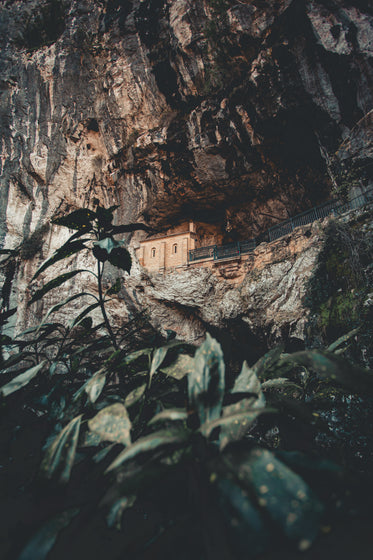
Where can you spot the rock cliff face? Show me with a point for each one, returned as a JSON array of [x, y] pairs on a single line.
[[220, 111]]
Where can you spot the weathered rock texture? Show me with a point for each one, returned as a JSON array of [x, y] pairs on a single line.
[[217, 110]]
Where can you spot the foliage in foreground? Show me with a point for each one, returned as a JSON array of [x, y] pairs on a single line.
[[170, 451], [156, 452]]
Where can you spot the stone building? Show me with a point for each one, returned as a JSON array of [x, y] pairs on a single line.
[[168, 251]]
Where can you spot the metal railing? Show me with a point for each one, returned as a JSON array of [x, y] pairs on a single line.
[[232, 250], [201, 253]]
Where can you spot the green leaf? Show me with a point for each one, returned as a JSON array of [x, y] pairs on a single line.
[[68, 249], [60, 455], [180, 368], [284, 495], [21, 380], [42, 542], [158, 357], [80, 219], [135, 355], [135, 395], [93, 387], [334, 368], [243, 520], [112, 424], [114, 518], [233, 421], [206, 382], [100, 455], [342, 339], [155, 441], [169, 414], [120, 258], [54, 284]]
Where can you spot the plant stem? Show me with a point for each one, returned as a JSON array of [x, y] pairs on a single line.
[[100, 272]]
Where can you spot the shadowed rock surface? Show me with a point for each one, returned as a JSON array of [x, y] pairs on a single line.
[[227, 112]]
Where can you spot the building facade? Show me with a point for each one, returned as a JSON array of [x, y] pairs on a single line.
[[168, 251]]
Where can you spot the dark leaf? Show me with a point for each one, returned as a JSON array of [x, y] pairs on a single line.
[[114, 518], [80, 219], [120, 258], [285, 496], [126, 228], [42, 542], [243, 520], [161, 439], [21, 380], [68, 249], [4, 315], [206, 382], [60, 455], [334, 368], [85, 312]]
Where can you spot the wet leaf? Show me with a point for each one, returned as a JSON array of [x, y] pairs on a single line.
[[112, 424], [54, 284], [233, 423], [243, 520], [114, 518], [158, 357], [135, 355], [161, 439], [42, 542], [80, 219], [68, 249], [60, 455], [21, 380], [206, 382], [135, 395], [180, 368], [286, 497], [169, 414], [93, 387], [251, 407]]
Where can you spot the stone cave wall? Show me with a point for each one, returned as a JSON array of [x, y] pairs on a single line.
[[225, 112]]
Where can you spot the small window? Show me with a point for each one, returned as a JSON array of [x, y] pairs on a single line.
[[153, 252], [174, 249]]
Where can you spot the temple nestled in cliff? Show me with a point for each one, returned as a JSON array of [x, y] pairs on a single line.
[[168, 251]]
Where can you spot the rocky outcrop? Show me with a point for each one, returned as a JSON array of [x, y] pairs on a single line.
[[218, 110], [265, 298]]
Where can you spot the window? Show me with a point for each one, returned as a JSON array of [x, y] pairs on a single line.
[[153, 252], [174, 249]]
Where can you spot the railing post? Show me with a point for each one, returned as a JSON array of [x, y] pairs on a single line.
[[239, 248], [215, 252]]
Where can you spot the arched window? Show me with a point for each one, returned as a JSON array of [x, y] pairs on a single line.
[[174, 248], [153, 252]]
